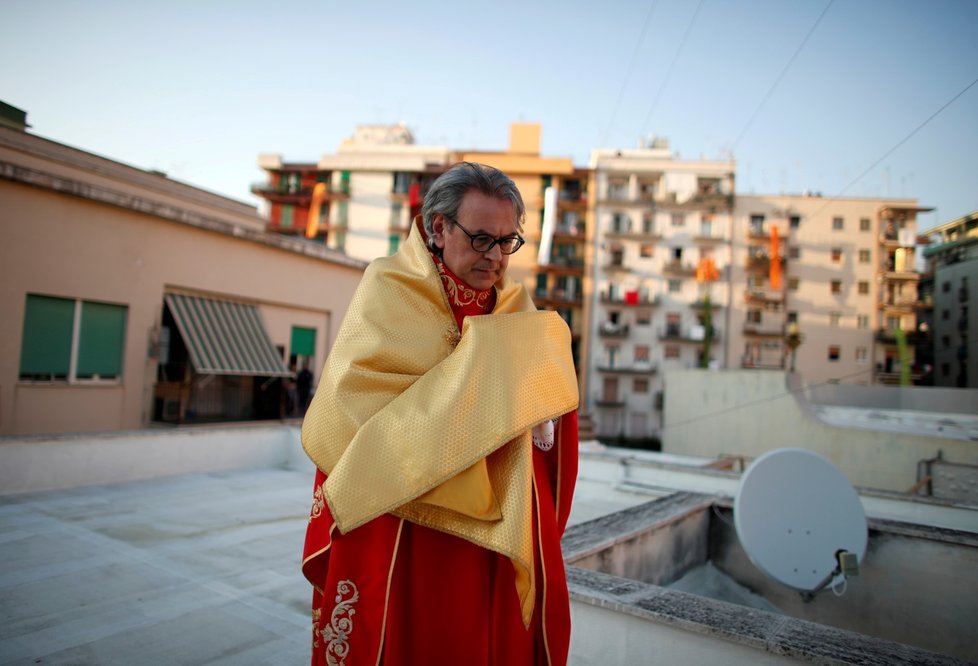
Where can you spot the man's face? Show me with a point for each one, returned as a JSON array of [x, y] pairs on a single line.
[[479, 214]]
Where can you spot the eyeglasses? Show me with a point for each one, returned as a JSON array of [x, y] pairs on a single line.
[[483, 243]]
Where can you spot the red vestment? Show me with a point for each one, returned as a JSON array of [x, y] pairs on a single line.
[[394, 592]]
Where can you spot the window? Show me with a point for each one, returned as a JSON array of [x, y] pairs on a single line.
[[792, 284], [945, 287], [862, 355], [794, 252], [834, 319], [862, 321], [836, 254], [641, 353], [946, 341], [945, 370], [646, 250], [863, 287], [643, 317], [66, 339], [835, 286], [675, 286], [672, 351], [754, 316], [287, 215], [864, 256], [757, 225], [393, 242], [794, 221], [648, 223], [838, 224], [834, 352], [620, 224], [792, 317], [945, 314], [640, 386], [678, 219], [864, 224]]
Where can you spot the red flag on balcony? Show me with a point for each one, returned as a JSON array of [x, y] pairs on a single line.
[[414, 194], [312, 222], [775, 270]]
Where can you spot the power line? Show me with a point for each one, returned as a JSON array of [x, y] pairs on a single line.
[[784, 71], [628, 72], [892, 150], [672, 65]]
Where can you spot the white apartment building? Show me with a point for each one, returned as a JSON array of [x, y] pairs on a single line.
[[847, 289], [657, 219]]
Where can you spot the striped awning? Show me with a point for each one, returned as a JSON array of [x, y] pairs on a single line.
[[225, 337]]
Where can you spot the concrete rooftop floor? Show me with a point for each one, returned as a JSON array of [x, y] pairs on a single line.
[[193, 569]]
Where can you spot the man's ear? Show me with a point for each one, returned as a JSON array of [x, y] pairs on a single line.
[[439, 227]]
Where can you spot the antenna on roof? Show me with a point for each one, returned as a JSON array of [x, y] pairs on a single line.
[[800, 521]]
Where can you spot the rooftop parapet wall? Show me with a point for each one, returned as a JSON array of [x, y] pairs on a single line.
[[747, 413]]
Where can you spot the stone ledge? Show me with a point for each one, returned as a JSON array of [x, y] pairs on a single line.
[[777, 634]]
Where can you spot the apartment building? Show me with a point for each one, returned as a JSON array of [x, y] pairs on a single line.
[[949, 301], [551, 265], [362, 198], [660, 270], [827, 286], [373, 187]]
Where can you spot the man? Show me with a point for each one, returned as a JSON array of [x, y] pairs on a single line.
[[446, 442]]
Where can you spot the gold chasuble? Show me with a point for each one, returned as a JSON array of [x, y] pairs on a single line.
[[414, 419]]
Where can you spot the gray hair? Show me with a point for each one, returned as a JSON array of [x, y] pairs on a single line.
[[446, 193]]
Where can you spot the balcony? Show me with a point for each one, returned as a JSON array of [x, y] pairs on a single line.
[[748, 363], [757, 233], [963, 295], [648, 234], [679, 268], [701, 304], [715, 200], [609, 329], [638, 300], [756, 330], [609, 402], [563, 266], [558, 298], [694, 334], [616, 267], [708, 239], [294, 195], [902, 303], [762, 296], [634, 369]]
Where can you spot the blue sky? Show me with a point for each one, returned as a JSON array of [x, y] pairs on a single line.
[[199, 89]]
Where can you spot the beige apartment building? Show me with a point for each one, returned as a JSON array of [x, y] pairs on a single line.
[[659, 222], [846, 293], [374, 186], [129, 298]]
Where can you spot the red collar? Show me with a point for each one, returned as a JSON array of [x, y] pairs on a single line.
[[463, 299]]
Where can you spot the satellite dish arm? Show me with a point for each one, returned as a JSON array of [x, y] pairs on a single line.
[[846, 564]]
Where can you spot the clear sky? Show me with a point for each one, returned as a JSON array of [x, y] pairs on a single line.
[[198, 88]]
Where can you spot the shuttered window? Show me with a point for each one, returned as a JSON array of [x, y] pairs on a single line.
[[68, 339]]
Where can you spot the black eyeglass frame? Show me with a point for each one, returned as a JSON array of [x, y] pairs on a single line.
[[519, 240]]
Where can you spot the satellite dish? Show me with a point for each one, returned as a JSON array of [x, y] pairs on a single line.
[[800, 520]]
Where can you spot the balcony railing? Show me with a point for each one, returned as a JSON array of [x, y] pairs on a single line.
[[764, 331], [558, 297], [691, 334], [634, 369], [616, 266], [763, 296], [677, 267], [623, 299], [609, 329]]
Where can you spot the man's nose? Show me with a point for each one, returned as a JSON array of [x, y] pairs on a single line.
[[495, 252]]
